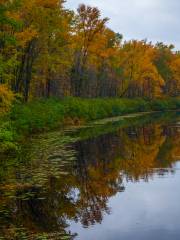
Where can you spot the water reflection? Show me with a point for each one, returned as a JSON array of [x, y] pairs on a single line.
[[62, 179]]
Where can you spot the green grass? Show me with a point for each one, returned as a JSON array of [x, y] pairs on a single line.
[[44, 115], [7, 135]]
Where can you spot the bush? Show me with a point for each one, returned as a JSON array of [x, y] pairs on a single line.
[[37, 115], [7, 137], [6, 99], [165, 104], [52, 113], [41, 115]]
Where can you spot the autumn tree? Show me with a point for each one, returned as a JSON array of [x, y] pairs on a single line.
[[174, 83], [8, 26], [139, 75], [38, 18], [88, 25], [104, 57], [162, 60], [54, 60], [39, 41], [47, 50]]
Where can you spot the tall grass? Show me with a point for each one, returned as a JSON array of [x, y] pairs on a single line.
[[43, 115]]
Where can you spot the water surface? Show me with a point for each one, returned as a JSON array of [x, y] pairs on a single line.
[[111, 180]]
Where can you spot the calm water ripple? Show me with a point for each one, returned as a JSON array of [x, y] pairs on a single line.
[[111, 180]]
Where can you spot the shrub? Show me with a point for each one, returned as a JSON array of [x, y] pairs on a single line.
[[6, 99], [7, 137], [41, 115]]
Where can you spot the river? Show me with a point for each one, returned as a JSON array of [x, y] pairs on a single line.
[[111, 180]]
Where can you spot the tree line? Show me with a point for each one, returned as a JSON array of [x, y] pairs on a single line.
[[47, 50]]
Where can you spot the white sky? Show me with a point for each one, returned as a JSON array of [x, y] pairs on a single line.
[[155, 20]]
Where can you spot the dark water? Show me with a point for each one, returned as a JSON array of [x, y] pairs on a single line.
[[112, 180]]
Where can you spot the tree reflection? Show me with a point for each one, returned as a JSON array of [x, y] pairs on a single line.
[[74, 182]]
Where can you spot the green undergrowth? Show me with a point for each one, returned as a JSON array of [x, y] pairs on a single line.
[[48, 114]]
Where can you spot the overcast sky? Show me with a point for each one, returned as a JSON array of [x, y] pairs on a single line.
[[155, 20]]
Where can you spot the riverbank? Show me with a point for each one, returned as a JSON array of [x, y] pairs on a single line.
[[45, 115]]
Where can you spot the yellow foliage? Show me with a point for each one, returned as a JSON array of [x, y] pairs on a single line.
[[174, 87], [26, 36], [47, 3], [6, 98], [139, 72]]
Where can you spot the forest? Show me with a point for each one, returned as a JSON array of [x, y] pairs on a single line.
[[47, 50], [76, 61], [89, 123]]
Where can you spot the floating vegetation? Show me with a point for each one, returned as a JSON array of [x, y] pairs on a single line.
[[65, 176]]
